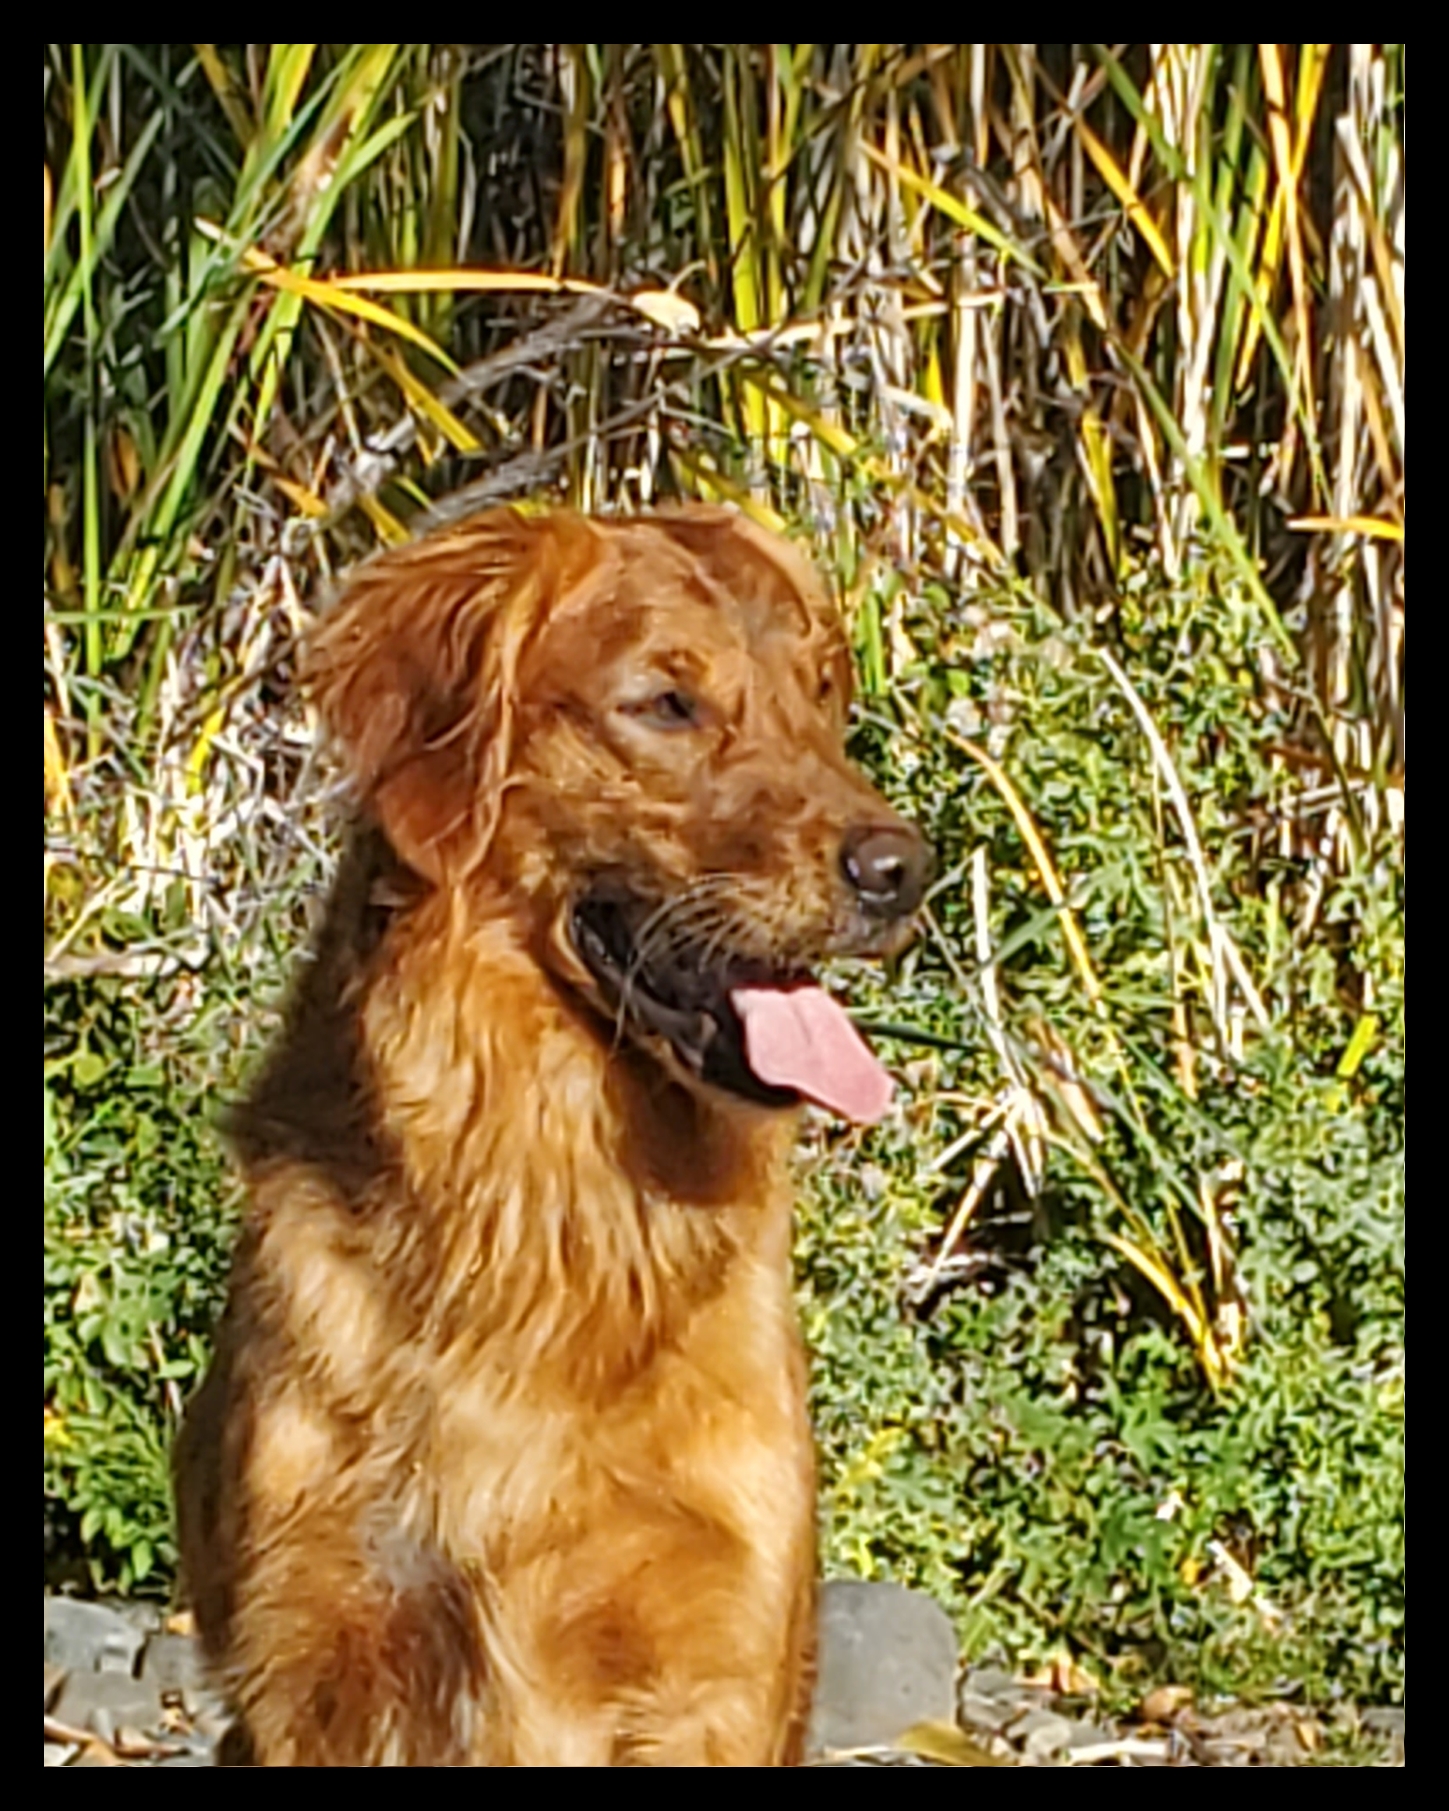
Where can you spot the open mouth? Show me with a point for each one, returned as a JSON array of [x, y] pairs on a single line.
[[761, 1033]]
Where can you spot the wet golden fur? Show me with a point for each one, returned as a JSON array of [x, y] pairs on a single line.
[[503, 1457]]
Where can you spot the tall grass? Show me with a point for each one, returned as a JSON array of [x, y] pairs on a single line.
[[1052, 309]]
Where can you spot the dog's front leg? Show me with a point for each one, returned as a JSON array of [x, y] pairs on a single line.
[[348, 1652]]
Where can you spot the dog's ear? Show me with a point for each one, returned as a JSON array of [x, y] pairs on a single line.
[[413, 672]]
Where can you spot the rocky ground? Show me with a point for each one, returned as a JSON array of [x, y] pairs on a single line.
[[123, 1688]]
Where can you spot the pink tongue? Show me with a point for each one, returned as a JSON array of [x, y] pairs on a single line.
[[797, 1037]]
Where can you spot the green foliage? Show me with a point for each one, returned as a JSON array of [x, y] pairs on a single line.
[[139, 1218], [1034, 1442]]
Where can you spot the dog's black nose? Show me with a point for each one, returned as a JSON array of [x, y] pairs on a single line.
[[886, 864]]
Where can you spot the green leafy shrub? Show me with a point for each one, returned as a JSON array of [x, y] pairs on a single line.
[[139, 1217], [1034, 1441]]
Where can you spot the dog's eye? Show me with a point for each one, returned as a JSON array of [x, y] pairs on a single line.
[[666, 710]]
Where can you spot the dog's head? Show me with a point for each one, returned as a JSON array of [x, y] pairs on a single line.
[[629, 734]]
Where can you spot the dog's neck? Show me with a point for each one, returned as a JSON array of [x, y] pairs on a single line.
[[525, 1174]]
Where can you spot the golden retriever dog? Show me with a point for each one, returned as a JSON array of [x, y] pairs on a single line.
[[503, 1458]]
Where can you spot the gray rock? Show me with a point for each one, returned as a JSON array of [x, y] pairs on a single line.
[[1385, 1720], [887, 1660], [992, 1682], [1088, 1735], [977, 1712], [106, 1702], [87, 1637], [1043, 1733], [144, 1615], [171, 1663]]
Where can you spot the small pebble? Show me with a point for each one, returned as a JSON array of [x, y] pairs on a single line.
[[89, 1637], [104, 1702], [1042, 1734], [1386, 1720], [171, 1663]]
